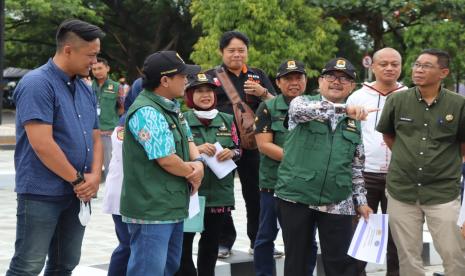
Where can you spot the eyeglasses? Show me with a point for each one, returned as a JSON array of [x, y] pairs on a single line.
[[341, 79], [423, 66]]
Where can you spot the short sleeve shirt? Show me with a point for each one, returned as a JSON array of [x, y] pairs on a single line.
[[151, 130], [426, 158], [48, 96], [247, 73]]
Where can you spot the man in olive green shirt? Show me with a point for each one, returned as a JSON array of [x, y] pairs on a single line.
[[424, 127], [110, 96]]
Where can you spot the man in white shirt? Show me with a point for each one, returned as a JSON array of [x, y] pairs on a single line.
[[387, 66]]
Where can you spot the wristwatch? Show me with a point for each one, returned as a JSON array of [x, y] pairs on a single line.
[[79, 179], [201, 159]]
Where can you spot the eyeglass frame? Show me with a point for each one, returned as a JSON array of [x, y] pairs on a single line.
[[425, 66], [348, 80]]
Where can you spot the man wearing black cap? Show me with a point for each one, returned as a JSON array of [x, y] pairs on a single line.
[[158, 175], [270, 135], [320, 177], [58, 156]]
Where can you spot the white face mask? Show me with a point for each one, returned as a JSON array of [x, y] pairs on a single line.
[[84, 212], [210, 114]]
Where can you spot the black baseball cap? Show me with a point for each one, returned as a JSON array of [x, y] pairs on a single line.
[[167, 63], [290, 66], [199, 79], [340, 64]]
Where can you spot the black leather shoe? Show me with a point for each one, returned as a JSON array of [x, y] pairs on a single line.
[[438, 274]]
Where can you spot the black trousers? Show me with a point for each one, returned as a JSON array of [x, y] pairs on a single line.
[[247, 168], [335, 232], [208, 247], [375, 183]]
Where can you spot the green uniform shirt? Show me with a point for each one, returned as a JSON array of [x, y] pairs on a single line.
[[107, 98], [426, 157]]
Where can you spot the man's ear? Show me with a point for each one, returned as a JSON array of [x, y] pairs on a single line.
[[164, 81], [67, 49], [353, 85], [444, 73]]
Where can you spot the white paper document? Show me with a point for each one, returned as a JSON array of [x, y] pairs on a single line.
[[461, 219], [194, 205], [370, 239], [220, 169]]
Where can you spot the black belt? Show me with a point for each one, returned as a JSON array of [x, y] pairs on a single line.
[[266, 190]]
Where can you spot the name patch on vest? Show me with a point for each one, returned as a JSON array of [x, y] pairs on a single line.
[[405, 119], [254, 78], [223, 131], [351, 129]]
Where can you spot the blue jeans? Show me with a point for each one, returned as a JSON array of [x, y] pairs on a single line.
[[268, 229], [47, 227], [120, 256], [155, 249]]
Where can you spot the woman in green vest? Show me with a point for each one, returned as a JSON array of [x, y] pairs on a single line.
[[209, 126]]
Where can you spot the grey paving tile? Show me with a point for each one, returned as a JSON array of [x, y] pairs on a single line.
[[100, 240]]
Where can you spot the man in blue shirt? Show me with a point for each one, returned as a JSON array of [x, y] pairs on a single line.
[[58, 157]]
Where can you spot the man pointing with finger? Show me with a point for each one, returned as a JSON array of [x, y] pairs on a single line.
[[320, 177]]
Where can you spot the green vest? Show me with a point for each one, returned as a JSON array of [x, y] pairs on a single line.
[[268, 174], [149, 192], [317, 165], [107, 97], [218, 192]]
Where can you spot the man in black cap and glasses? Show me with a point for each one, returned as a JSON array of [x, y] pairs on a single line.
[[161, 167], [320, 177]]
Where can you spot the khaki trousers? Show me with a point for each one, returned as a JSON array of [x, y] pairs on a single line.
[[406, 224]]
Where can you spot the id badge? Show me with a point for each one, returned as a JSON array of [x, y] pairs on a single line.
[[98, 110]]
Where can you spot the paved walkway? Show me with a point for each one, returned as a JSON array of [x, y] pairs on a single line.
[[100, 240]]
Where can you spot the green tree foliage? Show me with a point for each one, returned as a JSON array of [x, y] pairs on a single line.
[[386, 20], [278, 30], [135, 29], [30, 27]]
